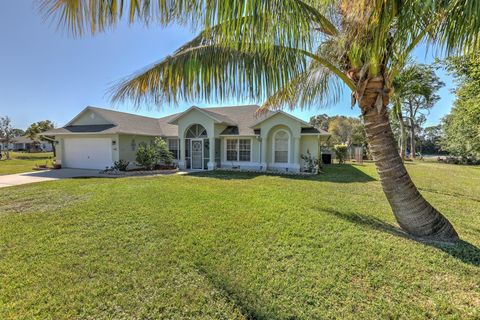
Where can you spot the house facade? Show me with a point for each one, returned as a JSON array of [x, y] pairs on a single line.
[[199, 138]]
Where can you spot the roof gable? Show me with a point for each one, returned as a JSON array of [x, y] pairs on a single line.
[[89, 116], [216, 117], [303, 124]]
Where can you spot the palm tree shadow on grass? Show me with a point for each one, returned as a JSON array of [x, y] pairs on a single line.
[[345, 173], [462, 250], [229, 293]]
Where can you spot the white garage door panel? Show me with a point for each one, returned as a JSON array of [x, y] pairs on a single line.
[[88, 153]]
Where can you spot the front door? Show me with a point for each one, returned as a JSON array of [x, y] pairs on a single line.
[[197, 154]]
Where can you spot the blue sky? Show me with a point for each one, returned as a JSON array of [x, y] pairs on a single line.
[[47, 74]]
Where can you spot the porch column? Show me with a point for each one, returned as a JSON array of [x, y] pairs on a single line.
[[296, 154], [181, 162], [211, 157], [264, 160]]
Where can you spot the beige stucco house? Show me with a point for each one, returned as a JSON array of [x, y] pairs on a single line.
[[199, 138]]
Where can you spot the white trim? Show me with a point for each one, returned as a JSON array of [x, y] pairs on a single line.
[[273, 147], [238, 149]]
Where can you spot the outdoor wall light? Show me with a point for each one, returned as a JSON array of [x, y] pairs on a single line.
[[114, 143]]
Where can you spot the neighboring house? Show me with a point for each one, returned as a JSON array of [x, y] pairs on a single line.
[[24, 143], [4, 145], [199, 138]]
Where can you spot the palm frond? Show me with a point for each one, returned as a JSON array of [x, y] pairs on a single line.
[[211, 72], [458, 32], [286, 22], [317, 87]]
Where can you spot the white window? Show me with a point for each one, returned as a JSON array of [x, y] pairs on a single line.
[[232, 150], [173, 147], [281, 147], [196, 131], [244, 150], [238, 150]]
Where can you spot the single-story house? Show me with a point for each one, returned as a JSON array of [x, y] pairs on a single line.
[[199, 138], [24, 143]]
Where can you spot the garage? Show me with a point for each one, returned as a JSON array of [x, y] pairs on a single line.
[[87, 153]]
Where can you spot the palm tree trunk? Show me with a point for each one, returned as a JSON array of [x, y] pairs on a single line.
[[412, 212]]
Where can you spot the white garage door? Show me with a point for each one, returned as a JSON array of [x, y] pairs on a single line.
[[88, 153]]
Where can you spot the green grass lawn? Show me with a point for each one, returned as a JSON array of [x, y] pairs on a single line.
[[23, 161], [236, 246]]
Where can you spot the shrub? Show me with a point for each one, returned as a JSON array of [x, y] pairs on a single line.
[[311, 163], [146, 157], [149, 156], [341, 151], [462, 160], [164, 156], [120, 165]]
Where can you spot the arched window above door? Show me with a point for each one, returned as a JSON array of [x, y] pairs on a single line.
[[196, 131]]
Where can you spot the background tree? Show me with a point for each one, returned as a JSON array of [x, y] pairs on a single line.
[[320, 121], [34, 132], [415, 94], [462, 126], [292, 53], [429, 140], [341, 151], [18, 132], [344, 130], [6, 133]]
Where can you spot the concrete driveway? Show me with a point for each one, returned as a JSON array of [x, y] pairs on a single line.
[[44, 175]]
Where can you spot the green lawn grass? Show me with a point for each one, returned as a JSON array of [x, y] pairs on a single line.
[[236, 246], [23, 161]]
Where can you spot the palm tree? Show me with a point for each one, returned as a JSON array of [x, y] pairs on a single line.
[[294, 53]]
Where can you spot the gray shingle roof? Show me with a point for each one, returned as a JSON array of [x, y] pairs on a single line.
[[239, 118], [243, 117], [130, 123], [22, 139]]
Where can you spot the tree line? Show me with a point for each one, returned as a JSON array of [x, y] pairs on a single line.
[[416, 93]]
